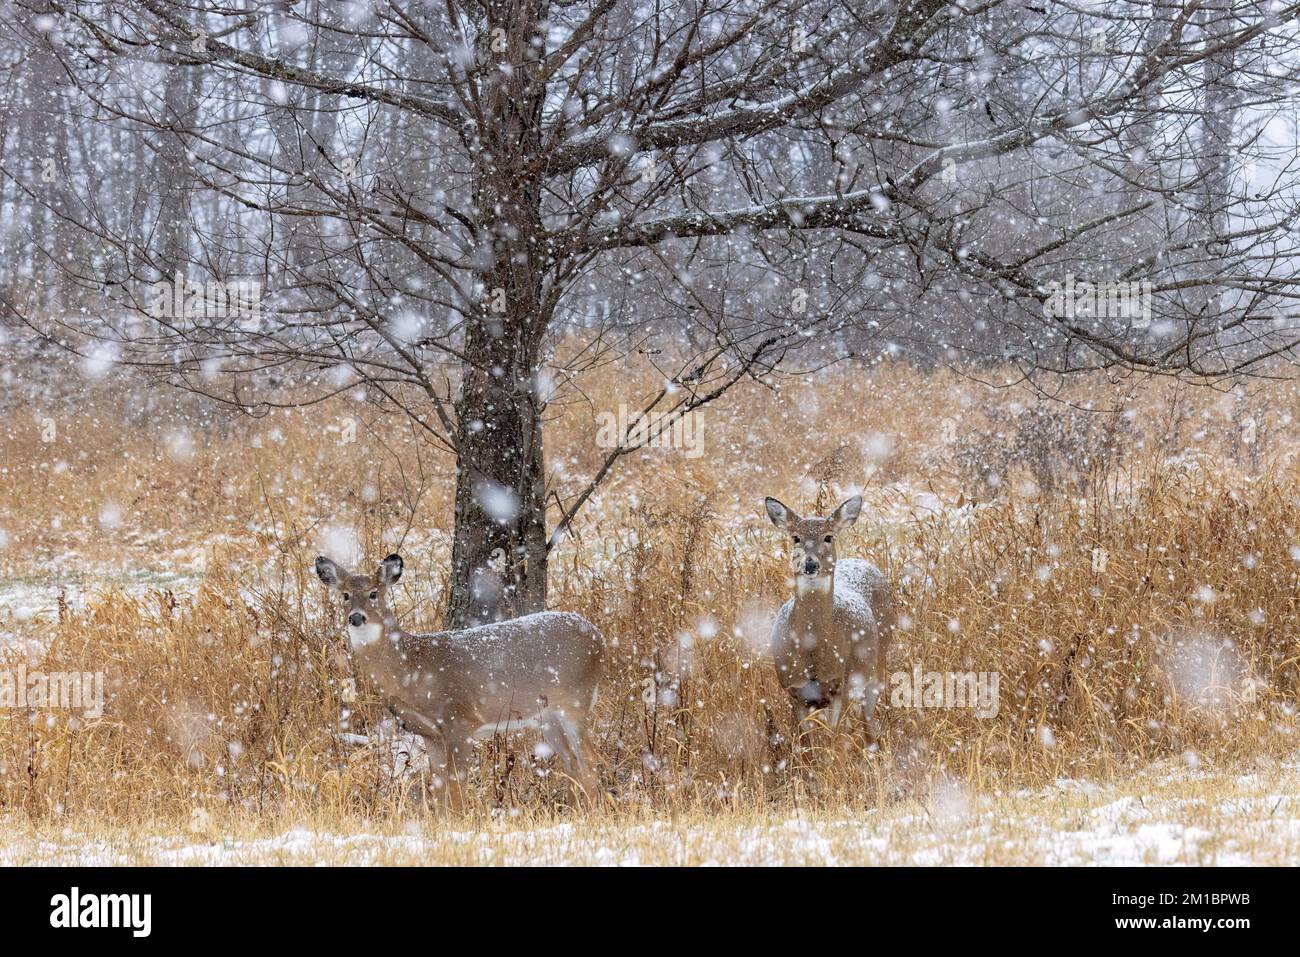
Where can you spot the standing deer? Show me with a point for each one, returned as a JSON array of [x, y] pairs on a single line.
[[451, 687], [829, 641]]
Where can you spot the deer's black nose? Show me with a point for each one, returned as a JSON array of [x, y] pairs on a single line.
[[809, 567], [356, 619]]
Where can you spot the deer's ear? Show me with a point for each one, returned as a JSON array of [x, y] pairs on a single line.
[[847, 513], [780, 515], [329, 572], [390, 569]]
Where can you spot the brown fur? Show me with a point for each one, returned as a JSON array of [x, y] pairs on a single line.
[[450, 687]]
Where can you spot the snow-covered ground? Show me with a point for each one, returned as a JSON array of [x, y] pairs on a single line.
[[1157, 817], [27, 603]]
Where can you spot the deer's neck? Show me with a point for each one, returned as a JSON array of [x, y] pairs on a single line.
[[375, 645], [814, 603]]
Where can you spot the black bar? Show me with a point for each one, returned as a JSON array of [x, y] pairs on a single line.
[[959, 906]]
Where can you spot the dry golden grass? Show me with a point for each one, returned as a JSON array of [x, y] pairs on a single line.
[[1157, 816], [1143, 609]]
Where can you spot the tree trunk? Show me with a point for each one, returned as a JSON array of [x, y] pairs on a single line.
[[173, 173], [499, 550], [1215, 159]]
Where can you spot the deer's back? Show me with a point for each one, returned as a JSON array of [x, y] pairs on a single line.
[[552, 655], [863, 591]]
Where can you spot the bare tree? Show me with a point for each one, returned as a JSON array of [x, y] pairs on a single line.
[[779, 184]]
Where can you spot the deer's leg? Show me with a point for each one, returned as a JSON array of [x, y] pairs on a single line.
[[441, 781], [881, 678], [577, 730], [561, 734], [869, 696], [550, 723], [837, 706], [450, 753], [808, 698], [866, 681]]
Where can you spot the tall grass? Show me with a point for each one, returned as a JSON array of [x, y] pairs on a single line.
[[1144, 609]]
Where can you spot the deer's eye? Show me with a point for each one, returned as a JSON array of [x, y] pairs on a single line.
[[374, 596], [828, 539], [796, 539], [347, 596]]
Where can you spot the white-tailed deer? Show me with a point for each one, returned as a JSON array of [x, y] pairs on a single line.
[[539, 671], [830, 640]]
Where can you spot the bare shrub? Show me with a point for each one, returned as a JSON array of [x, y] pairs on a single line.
[[1058, 446]]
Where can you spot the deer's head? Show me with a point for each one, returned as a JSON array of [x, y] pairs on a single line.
[[365, 596], [812, 540]]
